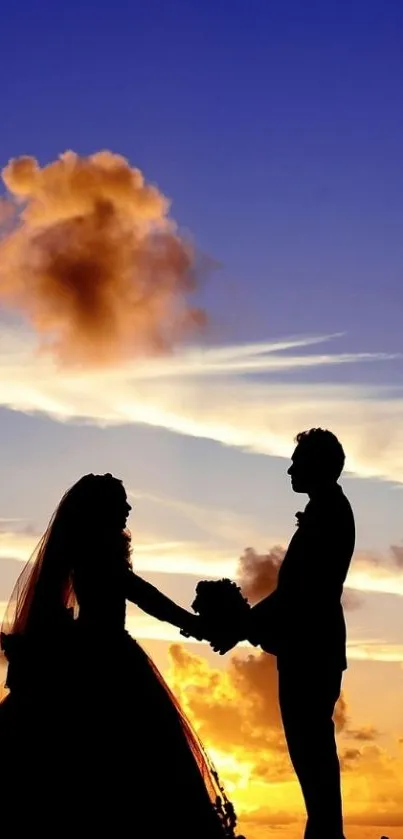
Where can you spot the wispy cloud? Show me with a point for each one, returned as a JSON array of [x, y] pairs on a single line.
[[374, 650], [151, 555], [15, 545], [219, 554], [366, 576], [218, 525], [217, 396]]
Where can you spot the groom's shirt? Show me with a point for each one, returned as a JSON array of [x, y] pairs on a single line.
[[303, 619]]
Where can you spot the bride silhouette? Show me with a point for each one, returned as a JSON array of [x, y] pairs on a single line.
[[91, 736]]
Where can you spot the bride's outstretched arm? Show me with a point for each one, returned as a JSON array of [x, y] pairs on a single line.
[[159, 606]]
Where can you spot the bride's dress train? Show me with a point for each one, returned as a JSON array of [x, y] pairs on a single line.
[[97, 739]]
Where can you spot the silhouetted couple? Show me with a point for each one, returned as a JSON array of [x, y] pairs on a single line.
[[92, 740]]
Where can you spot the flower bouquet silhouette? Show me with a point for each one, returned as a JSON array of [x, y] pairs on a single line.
[[223, 612]]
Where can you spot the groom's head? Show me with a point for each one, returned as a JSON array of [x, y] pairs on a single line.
[[317, 462]]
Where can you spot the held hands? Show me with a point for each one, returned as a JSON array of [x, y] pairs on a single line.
[[224, 637], [224, 643], [193, 628], [220, 643]]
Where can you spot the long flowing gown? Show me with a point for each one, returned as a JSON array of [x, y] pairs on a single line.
[[92, 740]]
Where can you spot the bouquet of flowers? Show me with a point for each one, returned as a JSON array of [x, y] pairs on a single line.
[[223, 612]]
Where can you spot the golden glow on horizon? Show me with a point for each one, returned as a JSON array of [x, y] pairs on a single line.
[[235, 713]]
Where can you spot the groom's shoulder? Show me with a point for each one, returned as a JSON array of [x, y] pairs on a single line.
[[335, 498], [332, 506], [347, 515], [343, 503], [340, 521]]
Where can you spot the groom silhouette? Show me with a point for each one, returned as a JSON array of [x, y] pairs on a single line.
[[302, 623]]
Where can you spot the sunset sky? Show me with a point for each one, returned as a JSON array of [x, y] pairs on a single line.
[[276, 130]]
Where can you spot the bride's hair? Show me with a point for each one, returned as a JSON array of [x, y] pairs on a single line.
[[87, 521]]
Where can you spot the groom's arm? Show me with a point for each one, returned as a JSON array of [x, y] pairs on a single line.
[[262, 622], [159, 606]]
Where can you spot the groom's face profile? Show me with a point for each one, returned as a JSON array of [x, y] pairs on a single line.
[[300, 470]]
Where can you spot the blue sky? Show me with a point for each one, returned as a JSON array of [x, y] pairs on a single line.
[[276, 129]]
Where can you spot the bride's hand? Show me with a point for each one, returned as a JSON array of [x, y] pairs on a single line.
[[193, 628]]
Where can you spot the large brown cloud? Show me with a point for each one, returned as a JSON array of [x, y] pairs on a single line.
[[92, 260], [257, 573], [397, 555]]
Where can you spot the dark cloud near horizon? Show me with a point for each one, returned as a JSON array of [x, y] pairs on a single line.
[[257, 575]]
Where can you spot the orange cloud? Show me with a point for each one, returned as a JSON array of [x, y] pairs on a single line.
[[235, 709], [92, 260], [257, 573]]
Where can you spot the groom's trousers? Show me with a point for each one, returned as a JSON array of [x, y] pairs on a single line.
[[307, 701]]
